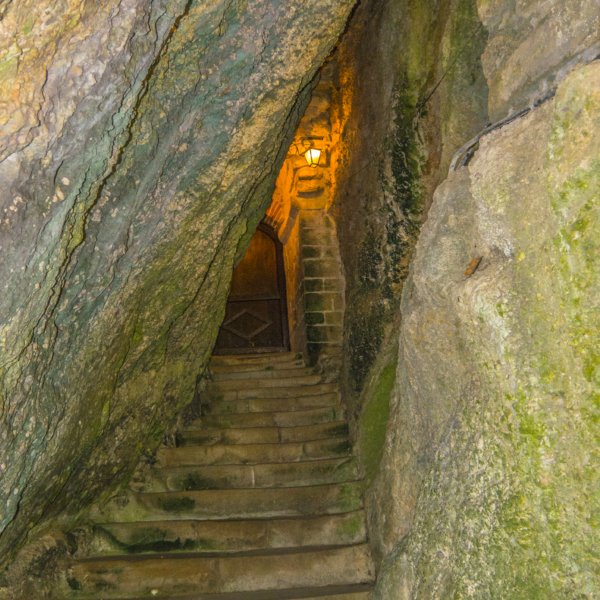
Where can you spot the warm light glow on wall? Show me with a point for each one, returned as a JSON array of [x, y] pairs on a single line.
[[312, 156]]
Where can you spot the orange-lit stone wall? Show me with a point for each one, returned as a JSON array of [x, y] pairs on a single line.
[[300, 213]]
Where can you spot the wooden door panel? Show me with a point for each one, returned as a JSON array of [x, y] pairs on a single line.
[[255, 315]]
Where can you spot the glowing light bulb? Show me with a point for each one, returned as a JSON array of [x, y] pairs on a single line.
[[312, 156]]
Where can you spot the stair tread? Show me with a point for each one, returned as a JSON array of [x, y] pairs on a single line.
[[333, 498], [248, 476], [296, 418], [250, 359], [219, 374], [208, 555], [266, 435], [214, 394], [232, 454], [276, 404], [229, 535], [120, 578], [299, 380], [257, 367], [359, 591]]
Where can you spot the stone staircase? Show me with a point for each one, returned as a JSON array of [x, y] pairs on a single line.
[[258, 500]]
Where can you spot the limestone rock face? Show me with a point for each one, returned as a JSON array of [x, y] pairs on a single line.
[[532, 45], [139, 142], [493, 439]]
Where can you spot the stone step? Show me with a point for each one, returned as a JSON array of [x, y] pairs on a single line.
[[331, 592], [262, 435], [213, 394], [113, 578], [232, 454], [257, 503], [223, 477], [216, 387], [284, 419], [260, 367], [234, 373], [228, 536], [242, 360], [223, 406]]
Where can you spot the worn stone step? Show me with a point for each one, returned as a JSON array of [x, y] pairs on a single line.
[[113, 578], [251, 393], [210, 437], [262, 435], [242, 360], [279, 371], [328, 414], [331, 592], [256, 503], [222, 477], [228, 536], [289, 404], [231, 454], [216, 387], [260, 367], [334, 592]]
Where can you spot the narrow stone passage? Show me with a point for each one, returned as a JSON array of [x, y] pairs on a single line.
[[259, 499]]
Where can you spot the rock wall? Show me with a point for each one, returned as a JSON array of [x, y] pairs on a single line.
[[140, 142], [488, 485], [410, 92], [493, 442]]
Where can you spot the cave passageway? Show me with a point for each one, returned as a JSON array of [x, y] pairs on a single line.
[[373, 408]]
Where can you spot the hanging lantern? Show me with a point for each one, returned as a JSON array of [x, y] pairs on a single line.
[[312, 156]]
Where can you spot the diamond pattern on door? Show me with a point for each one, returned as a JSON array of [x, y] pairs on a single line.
[[246, 325]]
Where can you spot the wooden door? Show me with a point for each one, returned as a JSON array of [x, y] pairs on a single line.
[[256, 312]]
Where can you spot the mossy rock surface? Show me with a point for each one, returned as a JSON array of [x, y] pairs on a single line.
[[163, 126]]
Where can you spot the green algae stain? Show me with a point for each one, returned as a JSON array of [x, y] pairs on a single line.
[[375, 418], [349, 497], [197, 482], [350, 529], [28, 26], [178, 505], [341, 430], [342, 448], [73, 583]]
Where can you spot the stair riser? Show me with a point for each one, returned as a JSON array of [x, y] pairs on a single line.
[[219, 375], [262, 435], [274, 419], [253, 453], [293, 381], [257, 359], [217, 387], [228, 536], [238, 370], [121, 578], [236, 504], [210, 437], [223, 407], [252, 393], [314, 472]]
